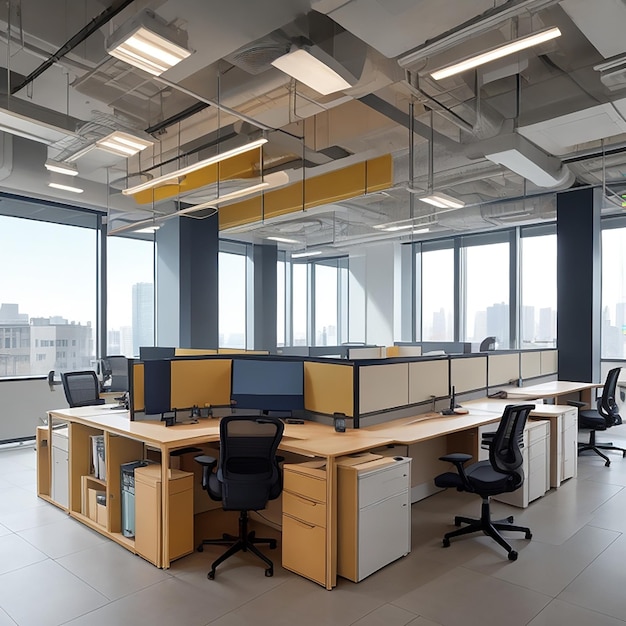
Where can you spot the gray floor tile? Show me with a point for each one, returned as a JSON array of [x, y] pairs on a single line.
[[25, 518], [558, 613], [5, 620], [45, 594], [17, 553], [387, 615]]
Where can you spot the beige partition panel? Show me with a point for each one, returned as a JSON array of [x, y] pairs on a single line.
[[329, 388], [531, 364], [467, 374], [428, 378], [383, 387], [200, 382], [549, 362], [377, 352], [503, 368], [193, 352]]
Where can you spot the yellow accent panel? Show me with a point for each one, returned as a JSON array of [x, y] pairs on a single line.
[[392, 351], [348, 182], [138, 387], [334, 186], [244, 212], [329, 388], [284, 200], [200, 382], [193, 351], [240, 166], [379, 174], [240, 351]]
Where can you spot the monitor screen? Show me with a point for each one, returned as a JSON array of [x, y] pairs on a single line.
[[268, 384]]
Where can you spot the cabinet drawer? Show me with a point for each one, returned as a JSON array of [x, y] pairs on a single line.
[[304, 509], [381, 484], [537, 479], [309, 486], [537, 431], [304, 549]]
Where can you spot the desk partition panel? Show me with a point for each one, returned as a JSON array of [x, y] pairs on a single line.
[[428, 378], [329, 388], [503, 369], [549, 362], [383, 387], [468, 373], [137, 387], [531, 364], [193, 352], [200, 382]]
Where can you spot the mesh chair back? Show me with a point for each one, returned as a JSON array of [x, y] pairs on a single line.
[[118, 368], [247, 467], [81, 388], [607, 407], [505, 452]]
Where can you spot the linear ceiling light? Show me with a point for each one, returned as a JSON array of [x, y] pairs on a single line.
[[443, 201], [497, 53], [148, 44], [302, 255], [283, 240], [66, 187], [160, 180], [123, 144], [29, 128], [313, 67], [69, 169]]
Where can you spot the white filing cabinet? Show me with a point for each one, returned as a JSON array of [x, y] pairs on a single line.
[[374, 513], [60, 467], [536, 463]]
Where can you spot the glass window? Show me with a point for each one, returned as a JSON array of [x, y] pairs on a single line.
[[232, 299], [280, 302], [130, 295], [437, 294], [299, 304], [326, 304], [614, 293], [538, 292], [47, 294], [486, 292]]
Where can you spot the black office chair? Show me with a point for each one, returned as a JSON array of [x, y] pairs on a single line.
[[81, 388], [605, 416], [487, 344], [247, 476], [500, 474], [117, 370]]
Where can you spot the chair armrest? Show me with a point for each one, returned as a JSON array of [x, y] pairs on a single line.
[[456, 457], [208, 464], [486, 439], [576, 403]]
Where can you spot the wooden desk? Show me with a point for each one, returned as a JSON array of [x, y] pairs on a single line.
[[556, 389], [125, 441]]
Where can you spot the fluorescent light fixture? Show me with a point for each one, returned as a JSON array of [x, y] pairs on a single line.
[[148, 44], [148, 230], [66, 187], [443, 201], [391, 229], [420, 231], [29, 128], [282, 240], [302, 255], [497, 53], [313, 67], [160, 180], [246, 191], [123, 144], [69, 169]]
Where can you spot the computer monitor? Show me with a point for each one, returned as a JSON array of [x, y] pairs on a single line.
[[267, 384]]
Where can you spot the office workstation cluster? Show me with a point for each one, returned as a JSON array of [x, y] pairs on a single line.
[[352, 428]]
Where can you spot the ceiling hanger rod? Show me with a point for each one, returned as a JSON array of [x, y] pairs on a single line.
[[97, 22]]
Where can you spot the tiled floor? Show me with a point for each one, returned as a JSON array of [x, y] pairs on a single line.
[[55, 571]]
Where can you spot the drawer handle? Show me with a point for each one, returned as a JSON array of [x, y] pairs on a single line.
[[301, 523], [304, 500]]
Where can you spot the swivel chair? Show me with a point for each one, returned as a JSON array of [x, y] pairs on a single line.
[[502, 473], [487, 344], [247, 476], [81, 388], [605, 416]]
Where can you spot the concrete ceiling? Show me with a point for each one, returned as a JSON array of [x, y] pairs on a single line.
[[565, 100]]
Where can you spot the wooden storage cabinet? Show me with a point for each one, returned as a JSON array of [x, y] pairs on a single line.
[[43, 461], [60, 467], [569, 444], [148, 514], [374, 514], [305, 520]]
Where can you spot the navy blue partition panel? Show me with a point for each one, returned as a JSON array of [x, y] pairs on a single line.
[[157, 387]]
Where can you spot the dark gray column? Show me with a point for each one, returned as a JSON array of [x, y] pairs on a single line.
[[187, 287], [265, 258], [578, 284]]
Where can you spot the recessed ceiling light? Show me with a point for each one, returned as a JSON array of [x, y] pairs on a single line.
[[443, 201], [123, 144], [283, 240], [302, 255], [66, 187], [69, 169]]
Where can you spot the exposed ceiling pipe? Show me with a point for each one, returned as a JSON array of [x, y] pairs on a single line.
[[106, 16]]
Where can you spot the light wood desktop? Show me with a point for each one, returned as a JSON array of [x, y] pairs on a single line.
[[127, 441], [557, 390]]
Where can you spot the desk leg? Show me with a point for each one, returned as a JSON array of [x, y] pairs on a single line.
[[331, 523], [165, 508], [556, 451]]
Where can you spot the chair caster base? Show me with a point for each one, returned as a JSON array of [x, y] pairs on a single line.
[[200, 548], [446, 542], [512, 555], [269, 572]]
